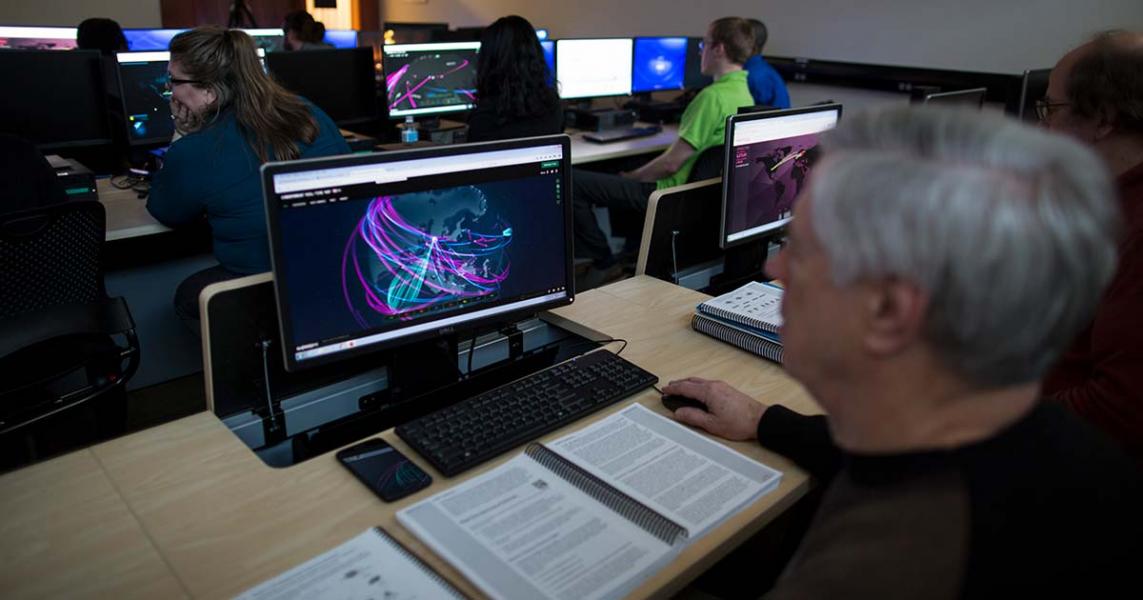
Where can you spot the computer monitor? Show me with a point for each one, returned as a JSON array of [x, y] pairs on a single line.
[[379, 250], [341, 38], [410, 33], [37, 38], [969, 97], [593, 68], [693, 77], [659, 64], [146, 100], [768, 159], [54, 99], [340, 82], [270, 40], [144, 96], [428, 79], [144, 40], [549, 48], [1033, 87]]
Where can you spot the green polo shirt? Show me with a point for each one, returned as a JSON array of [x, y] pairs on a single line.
[[704, 122]]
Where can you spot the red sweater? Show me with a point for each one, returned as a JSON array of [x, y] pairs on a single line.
[[1101, 376]]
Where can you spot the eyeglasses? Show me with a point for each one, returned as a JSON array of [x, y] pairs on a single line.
[[170, 82], [1045, 108]]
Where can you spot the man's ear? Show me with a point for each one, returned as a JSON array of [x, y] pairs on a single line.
[[893, 317], [1105, 123]]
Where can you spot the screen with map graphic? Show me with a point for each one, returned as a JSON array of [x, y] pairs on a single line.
[[370, 254], [769, 156], [423, 79]]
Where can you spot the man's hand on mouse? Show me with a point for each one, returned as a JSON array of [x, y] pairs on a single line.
[[729, 413]]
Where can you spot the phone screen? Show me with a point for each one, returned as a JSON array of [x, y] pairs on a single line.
[[385, 470]]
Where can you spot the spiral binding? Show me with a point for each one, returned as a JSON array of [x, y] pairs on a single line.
[[749, 342], [422, 565], [629, 508]]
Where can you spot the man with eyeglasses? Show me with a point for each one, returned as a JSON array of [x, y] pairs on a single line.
[[1095, 94]]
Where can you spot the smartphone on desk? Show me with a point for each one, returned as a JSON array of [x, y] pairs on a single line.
[[390, 474]]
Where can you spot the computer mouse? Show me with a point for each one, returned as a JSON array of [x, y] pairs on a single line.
[[674, 402]]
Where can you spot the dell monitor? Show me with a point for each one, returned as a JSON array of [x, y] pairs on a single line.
[[659, 64], [146, 40], [374, 251], [37, 38], [340, 82], [693, 77], [54, 99], [970, 97], [1033, 88], [341, 38], [768, 158], [593, 68], [430, 79], [411, 33]]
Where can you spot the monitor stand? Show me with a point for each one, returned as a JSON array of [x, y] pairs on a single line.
[[741, 265], [287, 418]]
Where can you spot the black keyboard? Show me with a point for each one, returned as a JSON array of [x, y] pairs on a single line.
[[616, 135], [480, 428]]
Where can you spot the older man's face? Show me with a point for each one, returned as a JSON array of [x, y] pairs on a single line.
[[821, 329], [1059, 115]]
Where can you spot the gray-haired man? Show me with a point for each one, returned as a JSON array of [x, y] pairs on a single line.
[[938, 263]]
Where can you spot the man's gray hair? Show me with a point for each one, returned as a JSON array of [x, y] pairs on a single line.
[[1011, 230]]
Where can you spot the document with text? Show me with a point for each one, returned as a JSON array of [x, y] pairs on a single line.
[[590, 515]]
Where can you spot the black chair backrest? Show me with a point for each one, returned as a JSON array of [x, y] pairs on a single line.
[[682, 229], [708, 165], [51, 256]]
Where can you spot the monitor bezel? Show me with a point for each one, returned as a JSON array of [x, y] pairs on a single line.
[[285, 328], [426, 112], [629, 75], [1028, 104], [682, 82], [99, 98], [728, 161], [967, 92]]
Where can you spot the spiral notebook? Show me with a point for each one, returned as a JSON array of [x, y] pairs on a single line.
[[592, 514], [371, 565], [738, 336], [749, 318]]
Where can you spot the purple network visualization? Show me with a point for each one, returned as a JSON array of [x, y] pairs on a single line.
[[431, 80], [415, 252]]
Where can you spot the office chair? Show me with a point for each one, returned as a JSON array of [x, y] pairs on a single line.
[[66, 349], [708, 165]]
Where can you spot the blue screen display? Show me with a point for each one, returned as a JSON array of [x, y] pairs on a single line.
[[549, 47], [341, 38], [146, 40], [659, 64]]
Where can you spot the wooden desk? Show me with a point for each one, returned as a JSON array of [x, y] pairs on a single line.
[[186, 508], [127, 215], [583, 151]]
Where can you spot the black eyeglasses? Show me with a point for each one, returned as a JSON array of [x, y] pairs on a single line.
[[1045, 108], [170, 82]]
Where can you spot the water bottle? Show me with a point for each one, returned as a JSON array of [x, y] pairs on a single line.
[[409, 133]]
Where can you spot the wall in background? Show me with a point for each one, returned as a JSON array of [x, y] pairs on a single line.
[[984, 35], [979, 35], [129, 13]]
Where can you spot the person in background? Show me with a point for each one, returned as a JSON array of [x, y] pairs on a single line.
[[27, 180], [766, 85], [1095, 95], [725, 47], [922, 308], [515, 94], [302, 32], [230, 118], [101, 34]]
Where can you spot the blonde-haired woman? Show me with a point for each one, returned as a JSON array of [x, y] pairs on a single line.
[[230, 118]]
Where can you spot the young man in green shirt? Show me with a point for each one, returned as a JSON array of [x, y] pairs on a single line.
[[727, 44]]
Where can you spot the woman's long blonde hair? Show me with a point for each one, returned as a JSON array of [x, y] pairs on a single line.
[[273, 120]]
